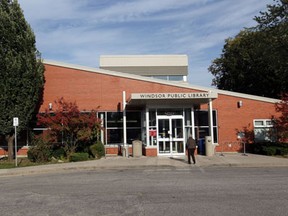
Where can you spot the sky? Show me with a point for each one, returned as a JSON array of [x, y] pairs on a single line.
[[79, 31]]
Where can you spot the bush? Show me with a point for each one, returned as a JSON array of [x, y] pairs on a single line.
[[78, 156], [97, 150], [40, 151], [269, 150], [282, 151], [58, 153]]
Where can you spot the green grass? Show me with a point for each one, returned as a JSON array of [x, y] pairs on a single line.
[[24, 162], [21, 162]]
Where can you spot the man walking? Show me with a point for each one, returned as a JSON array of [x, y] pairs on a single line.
[[191, 146]]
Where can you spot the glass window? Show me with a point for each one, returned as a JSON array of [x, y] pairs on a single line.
[[168, 77], [114, 119], [263, 130], [175, 78], [187, 117], [152, 118], [133, 119], [160, 77], [114, 130], [133, 134], [114, 136], [201, 118], [259, 123], [202, 125]]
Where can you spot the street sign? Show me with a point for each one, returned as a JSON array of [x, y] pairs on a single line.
[[15, 122], [240, 135]]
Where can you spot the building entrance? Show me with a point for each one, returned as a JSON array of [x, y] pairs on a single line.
[[170, 137]]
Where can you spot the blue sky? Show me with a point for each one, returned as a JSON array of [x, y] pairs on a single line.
[[79, 31]]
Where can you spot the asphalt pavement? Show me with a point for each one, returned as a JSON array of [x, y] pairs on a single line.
[[119, 162]]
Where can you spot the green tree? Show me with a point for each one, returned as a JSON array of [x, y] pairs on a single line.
[[256, 60], [21, 71], [281, 123]]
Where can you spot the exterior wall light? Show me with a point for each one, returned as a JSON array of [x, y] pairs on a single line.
[[240, 104], [50, 106]]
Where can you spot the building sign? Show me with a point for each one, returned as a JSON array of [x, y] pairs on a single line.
[[192, 95]]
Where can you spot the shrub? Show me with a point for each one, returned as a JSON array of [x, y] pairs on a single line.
[[269, 150], [40, 151], [97, 150], [58, 153], [78, 156], [283, 151]]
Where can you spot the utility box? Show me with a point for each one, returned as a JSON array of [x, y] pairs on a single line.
[[137, 148], [209, 147]]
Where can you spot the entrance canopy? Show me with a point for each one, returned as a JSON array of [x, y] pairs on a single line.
[[171, 98]]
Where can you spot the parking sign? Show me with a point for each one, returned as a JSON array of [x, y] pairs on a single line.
[[15, 121]]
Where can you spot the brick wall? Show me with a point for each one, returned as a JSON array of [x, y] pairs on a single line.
[[91, 90], [232, 119], [94, 90]]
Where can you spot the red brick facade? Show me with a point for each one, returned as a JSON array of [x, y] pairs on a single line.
[[232, 118], [93, 90], [100, 90]]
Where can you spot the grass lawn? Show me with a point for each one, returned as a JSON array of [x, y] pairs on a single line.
[[24, 162], [21, 162]]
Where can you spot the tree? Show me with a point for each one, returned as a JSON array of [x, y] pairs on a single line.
[[21, 71], [69, 125], [255, 61], [281, 123]]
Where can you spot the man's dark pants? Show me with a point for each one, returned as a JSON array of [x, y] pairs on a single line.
[[191, 154]]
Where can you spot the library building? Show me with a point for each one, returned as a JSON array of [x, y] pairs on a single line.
[[146, 102]]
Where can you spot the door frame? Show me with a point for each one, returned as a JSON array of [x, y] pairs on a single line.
[[170, 139]]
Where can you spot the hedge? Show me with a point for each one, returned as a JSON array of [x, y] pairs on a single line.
[[78, 156], [271, 148]]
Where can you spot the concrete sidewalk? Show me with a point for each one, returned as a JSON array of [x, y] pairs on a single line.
[[229, 159]]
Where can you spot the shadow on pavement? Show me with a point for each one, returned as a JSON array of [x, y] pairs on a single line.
[[179, 159]]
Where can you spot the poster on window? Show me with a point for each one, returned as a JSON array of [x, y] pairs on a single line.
[[152, 133]]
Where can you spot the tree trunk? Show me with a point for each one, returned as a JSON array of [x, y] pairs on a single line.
[[9, 139]]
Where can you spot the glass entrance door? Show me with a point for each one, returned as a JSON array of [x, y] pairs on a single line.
[[170, 138]]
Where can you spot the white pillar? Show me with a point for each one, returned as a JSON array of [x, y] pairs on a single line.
[[147, 126], [124, 119], [193, 123], [125, 150], [210, 118], [102, 126]]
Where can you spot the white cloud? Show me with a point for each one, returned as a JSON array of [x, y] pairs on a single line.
[[79, 31]]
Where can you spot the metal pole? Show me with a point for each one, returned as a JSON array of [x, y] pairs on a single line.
[[244, 148], [15, 146]]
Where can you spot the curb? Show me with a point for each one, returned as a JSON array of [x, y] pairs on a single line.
[[142, 163]]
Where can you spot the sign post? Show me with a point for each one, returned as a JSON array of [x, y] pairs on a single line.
[[15, 124], [241, 136]]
